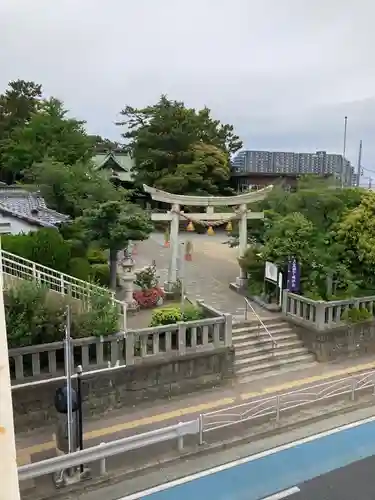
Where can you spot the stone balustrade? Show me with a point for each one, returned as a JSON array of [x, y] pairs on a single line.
[[321, 315], [130, 348]]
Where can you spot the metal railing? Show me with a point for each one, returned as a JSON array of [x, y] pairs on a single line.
[[269, 408], [15, 267], [248, 306], [105, 450], [275, 405]]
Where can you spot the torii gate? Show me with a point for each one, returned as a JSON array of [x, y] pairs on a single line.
[[175, 214]]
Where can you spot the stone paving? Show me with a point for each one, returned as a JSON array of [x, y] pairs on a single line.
[[214, 265]]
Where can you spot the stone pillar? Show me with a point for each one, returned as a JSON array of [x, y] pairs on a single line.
[[172, 273], [242, 279]]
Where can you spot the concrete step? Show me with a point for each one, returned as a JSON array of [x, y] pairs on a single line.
[[253, 358], [264, 340], [266, 347], [258, 327], [275, 364], [278, 334]]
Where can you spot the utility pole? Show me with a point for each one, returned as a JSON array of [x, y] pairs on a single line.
[[8, 458], [344, 151], [370, 183], [359, 166]]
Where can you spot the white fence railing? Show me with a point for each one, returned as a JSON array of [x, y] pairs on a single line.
[[17, 267], [272, 407]]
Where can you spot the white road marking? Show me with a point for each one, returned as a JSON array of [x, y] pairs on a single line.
[[283, 494], [193, 477]]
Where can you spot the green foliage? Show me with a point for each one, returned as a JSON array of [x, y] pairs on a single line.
[[30, 318], [100, 320], [146, 278], [45, 246], [72, 188], [99, 274], [178, 148], [317, 225], [36, 316], [113, 225], [170, 315], [356, 315], [80, 268], [96, 256]]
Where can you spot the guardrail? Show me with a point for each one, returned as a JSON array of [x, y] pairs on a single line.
[[105, 450], [123, 348], [272, 407]]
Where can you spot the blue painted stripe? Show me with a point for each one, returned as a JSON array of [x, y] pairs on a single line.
[[278, 471]]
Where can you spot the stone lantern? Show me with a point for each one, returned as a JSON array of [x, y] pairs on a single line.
[[127, 278]]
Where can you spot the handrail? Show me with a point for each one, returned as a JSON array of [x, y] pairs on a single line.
[[248, 304], [49, 271]]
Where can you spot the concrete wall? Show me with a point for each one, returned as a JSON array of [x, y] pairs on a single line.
[[340, 343], [156, 379]]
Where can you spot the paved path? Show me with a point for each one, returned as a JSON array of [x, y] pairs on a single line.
[[38, 444], [213, 267]]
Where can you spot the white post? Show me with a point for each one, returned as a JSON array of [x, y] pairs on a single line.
[[172, 278], [8, 458], [242, 279]]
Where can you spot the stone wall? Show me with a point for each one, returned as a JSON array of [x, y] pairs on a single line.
[[127, 386], [340, 343]]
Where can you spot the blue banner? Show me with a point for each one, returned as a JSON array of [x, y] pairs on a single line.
[[294, 276]]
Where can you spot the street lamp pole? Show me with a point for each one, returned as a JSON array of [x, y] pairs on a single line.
[[8, 458]]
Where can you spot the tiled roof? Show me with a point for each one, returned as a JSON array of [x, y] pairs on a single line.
[[123, 161], [30, 207]]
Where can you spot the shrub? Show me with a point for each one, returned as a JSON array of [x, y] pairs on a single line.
[[170, 315], [101, 320], [45, 246], [100, 274], [96, 256], [146, 278], [166, 316], [31, 316], [147, 298], [356, 315], [80, 268]]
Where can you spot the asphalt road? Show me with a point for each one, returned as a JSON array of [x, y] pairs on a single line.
[[353, 482]]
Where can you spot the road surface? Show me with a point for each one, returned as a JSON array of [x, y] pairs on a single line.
[[340, 459]]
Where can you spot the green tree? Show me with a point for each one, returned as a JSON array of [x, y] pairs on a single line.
[[113, 224], [49, 132], [103, 145], [18, 103], [170, 141], [70, 189]]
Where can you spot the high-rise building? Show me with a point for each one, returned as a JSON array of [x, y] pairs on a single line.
[[282, 162]]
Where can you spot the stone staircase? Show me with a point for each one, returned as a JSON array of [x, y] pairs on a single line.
[[255, 353]]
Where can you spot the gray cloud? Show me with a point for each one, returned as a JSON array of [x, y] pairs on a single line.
[[285, 73]]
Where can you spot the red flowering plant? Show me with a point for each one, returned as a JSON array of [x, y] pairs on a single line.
[[150, 293]]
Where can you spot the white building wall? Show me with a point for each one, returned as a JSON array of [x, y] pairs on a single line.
[[12, 225]]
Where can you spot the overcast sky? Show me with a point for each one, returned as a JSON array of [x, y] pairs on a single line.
[[283, 72]]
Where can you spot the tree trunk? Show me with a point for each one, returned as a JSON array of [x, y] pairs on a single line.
[[112, 268]]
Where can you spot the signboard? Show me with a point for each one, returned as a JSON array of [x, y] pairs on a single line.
[[294, 276], [271, 272]]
